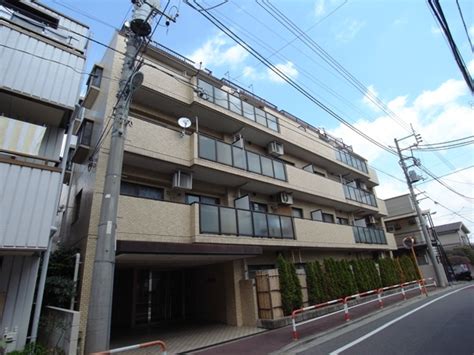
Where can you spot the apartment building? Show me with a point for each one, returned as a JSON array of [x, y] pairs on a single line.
[[453, 235], [42, 56], [203, 207], [402, 220]]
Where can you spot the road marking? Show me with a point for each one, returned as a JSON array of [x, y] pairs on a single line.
[[386, 325]]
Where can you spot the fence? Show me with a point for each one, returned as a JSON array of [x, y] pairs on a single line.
[[344, 301]]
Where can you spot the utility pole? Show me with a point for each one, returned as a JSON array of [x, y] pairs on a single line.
[[100, 305], [440, 276]]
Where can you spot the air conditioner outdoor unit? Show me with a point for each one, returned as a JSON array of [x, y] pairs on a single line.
[[182, 180], [285, 198], [275, 149], [371, 219]]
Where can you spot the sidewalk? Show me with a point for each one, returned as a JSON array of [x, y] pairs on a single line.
[[274, 340]]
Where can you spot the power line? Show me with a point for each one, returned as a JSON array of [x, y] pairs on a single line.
[[464, 24], [453, 212], [281, 74], [424, 169], [451, 173]]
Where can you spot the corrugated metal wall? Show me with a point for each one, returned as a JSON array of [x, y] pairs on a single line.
[[39, 69], [27, 204], [69, 32], [17, 286]]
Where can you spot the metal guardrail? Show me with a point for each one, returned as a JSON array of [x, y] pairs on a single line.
[[159, 343], [344, 301]]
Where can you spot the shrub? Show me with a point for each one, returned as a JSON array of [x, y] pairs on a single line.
[[408, 267], [389, 273], [290, 288], [317, 283]]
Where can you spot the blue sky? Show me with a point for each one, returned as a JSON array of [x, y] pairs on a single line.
[[395, 48]]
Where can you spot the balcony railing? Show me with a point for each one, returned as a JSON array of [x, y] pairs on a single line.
[[212, 149], [235, 104], [231, 221], [369, 235], [352, 160], [360, 195]]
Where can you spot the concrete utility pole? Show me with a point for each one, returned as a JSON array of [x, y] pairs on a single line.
[[100, 306], [440, 275]]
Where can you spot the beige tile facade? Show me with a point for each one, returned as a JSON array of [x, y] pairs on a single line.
[[155, 148]]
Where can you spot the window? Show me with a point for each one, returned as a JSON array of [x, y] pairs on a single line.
[[259, 207], [342, 220], [77, 207], [84, 135], [141, 191], [95, 77], [191, 198], [297, 212], [317, 215], [328, 218]]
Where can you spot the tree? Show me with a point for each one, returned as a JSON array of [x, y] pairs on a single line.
[[290, 288], [317, 283], [409, 268], [388, 272]]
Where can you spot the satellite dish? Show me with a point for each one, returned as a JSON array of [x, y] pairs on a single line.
[[184, 122]]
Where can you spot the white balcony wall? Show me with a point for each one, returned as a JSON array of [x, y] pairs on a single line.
[[27, 204], [37, 69]]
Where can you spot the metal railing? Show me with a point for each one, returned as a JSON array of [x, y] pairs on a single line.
[[150, 344], [228, 154], [369, 235], [359, 195], [345, 306], [214, 219]]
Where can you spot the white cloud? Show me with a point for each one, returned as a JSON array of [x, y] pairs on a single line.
[[370, 96], [320, 7], [287, 68], [435, 30], [450, 118], [350, 28], [448, 92], [218, 51], [470, 66]]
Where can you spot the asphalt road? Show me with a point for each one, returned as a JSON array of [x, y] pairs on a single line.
[[442, 324]]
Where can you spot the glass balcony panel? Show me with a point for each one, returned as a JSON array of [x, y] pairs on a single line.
[[244, 220], [207, 148], [274, 228], [253, 161], [221, 98], [228, 221], [287, 227], [260, 116], [208, 89], [272, 122], [209, 219], [356, 234], [235, 104], [260, 224], [224, 153], [239, 158], [279, 169], [267, 167], [248, 111]]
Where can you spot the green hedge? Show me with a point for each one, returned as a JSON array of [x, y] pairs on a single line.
[[290, 288], [408, 268], [389, 272]]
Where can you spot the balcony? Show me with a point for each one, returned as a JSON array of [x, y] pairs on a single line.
[[30, 185], [369, 235], [214, 150], [235, 104], [222, 220], [351, 160], [360, 195]]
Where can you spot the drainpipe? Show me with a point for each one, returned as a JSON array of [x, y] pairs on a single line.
[[47, 253]]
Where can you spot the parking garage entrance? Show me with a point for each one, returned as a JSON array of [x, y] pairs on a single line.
[[178, 286]]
